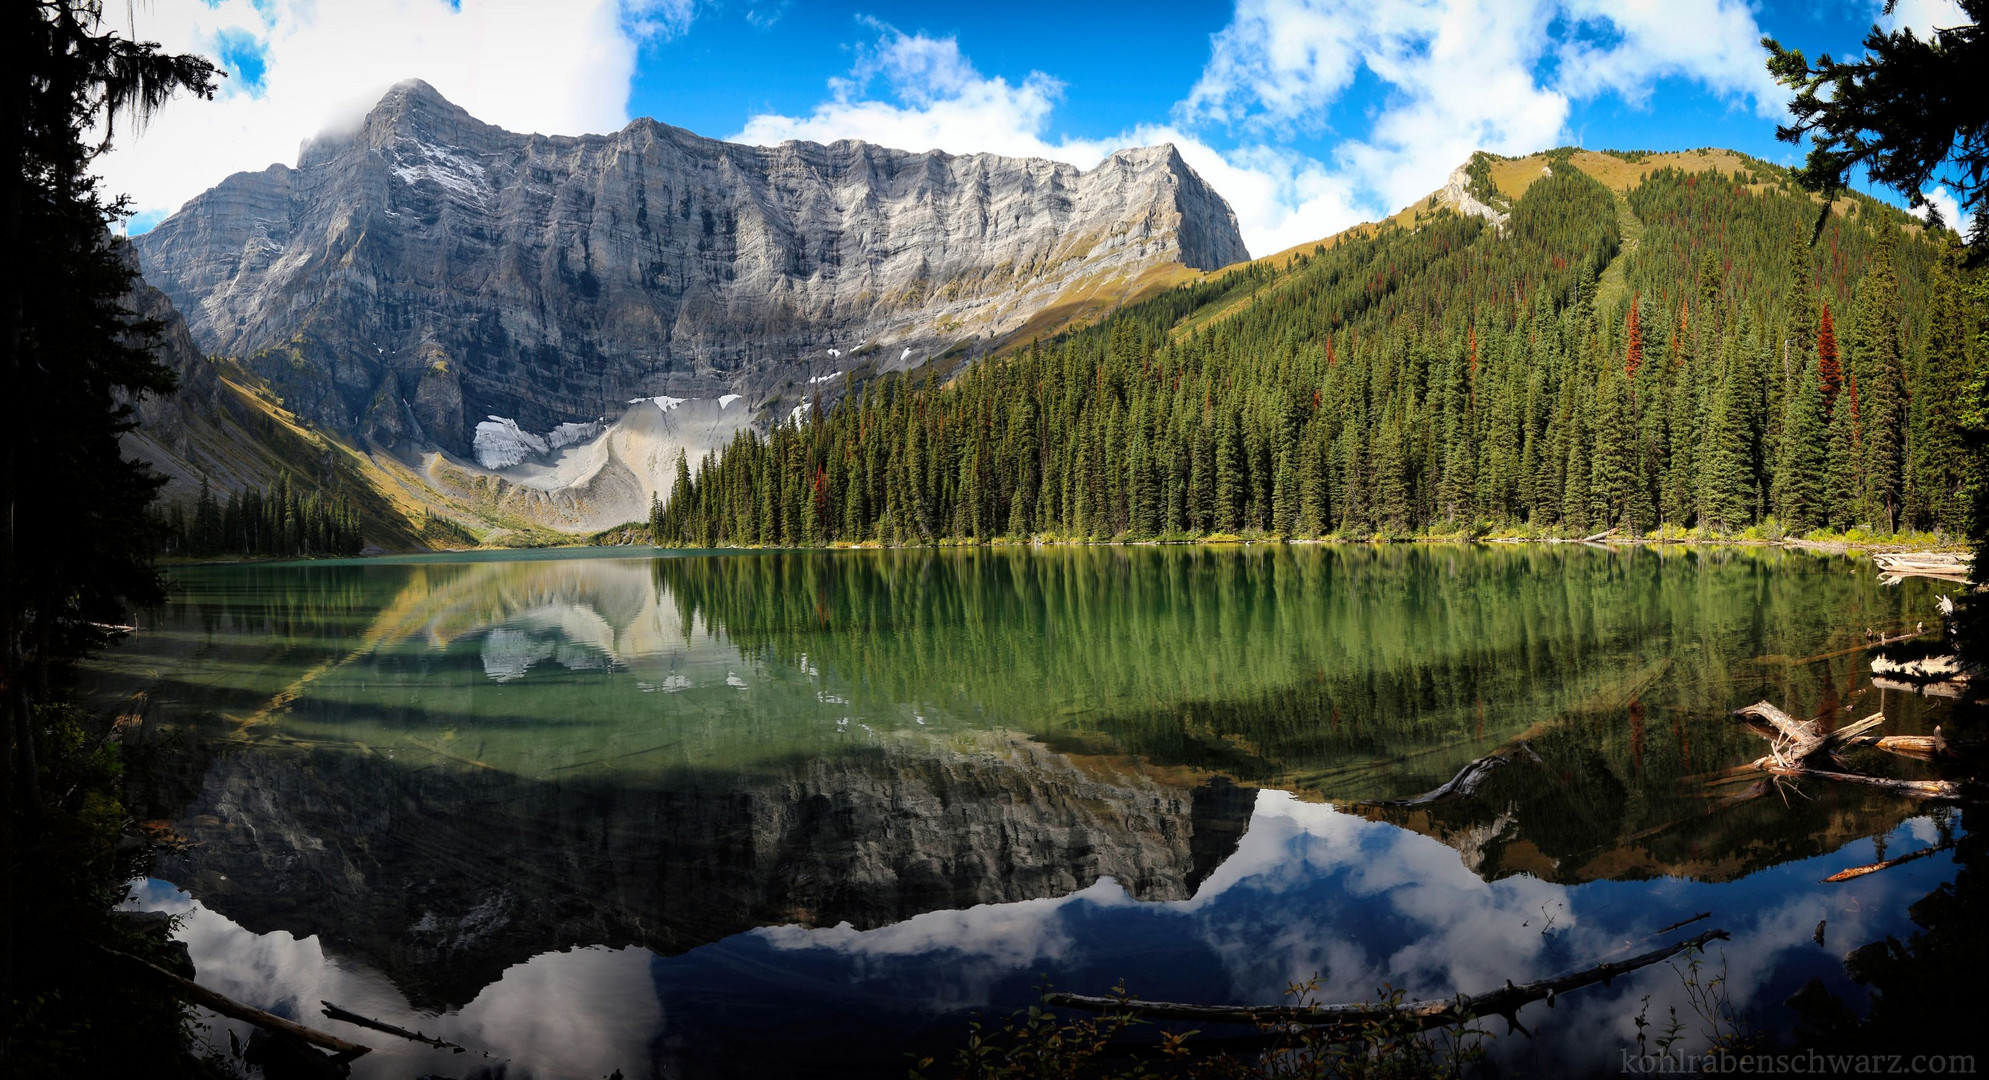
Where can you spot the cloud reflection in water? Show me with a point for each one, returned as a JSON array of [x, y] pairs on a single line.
[[1310, 890]]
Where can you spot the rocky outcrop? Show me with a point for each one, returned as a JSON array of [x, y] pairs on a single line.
[[426, 270], [1456, 194], [204, 431]]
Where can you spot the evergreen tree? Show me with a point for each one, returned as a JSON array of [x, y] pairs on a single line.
[[1939, 467], [1845, 502], [1399, 382], [1728, 493], [1804, 461], [1877, 367]]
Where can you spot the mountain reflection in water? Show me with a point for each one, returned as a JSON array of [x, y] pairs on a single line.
[[706, 813]]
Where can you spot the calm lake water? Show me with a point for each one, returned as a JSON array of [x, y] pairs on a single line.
[[768, 814]]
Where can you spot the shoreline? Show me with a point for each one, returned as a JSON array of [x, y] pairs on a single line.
[[1821, 546]]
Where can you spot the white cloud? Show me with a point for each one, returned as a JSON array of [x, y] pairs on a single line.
[[1456, 75], [935, 99], [1923, 17], [520, 64], [1714, 42], [942, 103], [1453, 76], [1944, 201]]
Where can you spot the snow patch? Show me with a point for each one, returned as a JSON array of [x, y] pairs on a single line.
[[663, 401], [568, 434], [906, 354], [455, 173], [500, 443], [799, 413], [835, 354], [727, 400], [830, 377]]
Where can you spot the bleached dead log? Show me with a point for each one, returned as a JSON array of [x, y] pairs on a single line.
[[1944, 565], [1887, 864], [229, 1007], [1797, 742], [1919, 789], [1792, 729], [1849, 735], [334, 1012], [1924, 669], [1424, 1015], [1919, 746], [1894, 577], [1944, 560], [1954, 690]]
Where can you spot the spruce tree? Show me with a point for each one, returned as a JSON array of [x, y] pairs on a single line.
[[1844, 490], [1877, 366], [1803, 462], [1939, 467], [1728, 493]]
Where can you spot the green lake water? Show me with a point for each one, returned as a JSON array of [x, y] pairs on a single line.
[[795, 813]]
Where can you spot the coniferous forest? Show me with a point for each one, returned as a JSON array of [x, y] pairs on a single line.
[[281, 521], [1677, 356]]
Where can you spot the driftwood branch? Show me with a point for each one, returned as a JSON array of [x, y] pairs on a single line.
[[229, 1007], [334, 1012], [1799, 740], [1793, 732], [1887, 864], [1440, 1012]]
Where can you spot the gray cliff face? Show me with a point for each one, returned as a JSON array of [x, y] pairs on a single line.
[[427, 269], [199, 432], [444, 878]]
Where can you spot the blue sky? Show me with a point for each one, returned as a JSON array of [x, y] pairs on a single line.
[[1308, 115]]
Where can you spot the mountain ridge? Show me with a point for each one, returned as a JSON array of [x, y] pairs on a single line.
[[459, 258]]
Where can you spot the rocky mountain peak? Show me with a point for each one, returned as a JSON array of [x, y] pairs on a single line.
[[426, 270]]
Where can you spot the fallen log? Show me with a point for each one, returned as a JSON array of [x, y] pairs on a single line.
[[1948, 560], [229, 1007], [1593, 537], [1915, 746], [1919, 789], [1955, 689], [1849, 734], [1682, 923], [1895, 576], [1794, 730], [1424, 1015], [334, 1012], [1798, 741], [1887, 864], [1941, 668]]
